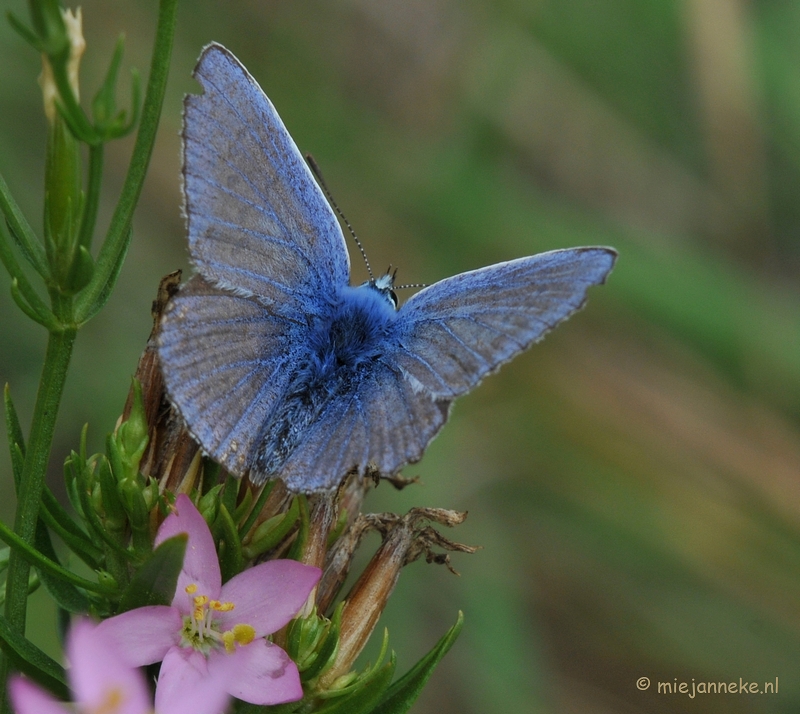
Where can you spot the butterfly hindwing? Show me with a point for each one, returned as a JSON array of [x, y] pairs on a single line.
[[224, 362], [258, 222], [458, 330], [382, 422]]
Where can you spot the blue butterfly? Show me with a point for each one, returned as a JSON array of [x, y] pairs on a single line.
[[282, 369]]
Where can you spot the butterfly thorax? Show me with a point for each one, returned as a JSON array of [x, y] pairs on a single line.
[[342, 346]]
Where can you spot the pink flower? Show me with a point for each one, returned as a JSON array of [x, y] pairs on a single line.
[[101, 680], [211, 639]]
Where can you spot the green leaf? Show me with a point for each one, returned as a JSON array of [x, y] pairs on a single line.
[[300, 541], [66, 595], [155, 582], [272, 531], [404, 692], [39, 561], [58, 520], [80, 272], [104, 104], [366, 694], [30, 660], [21, 231], [78, 474], [22, 291], [42, 316], [107, 474], [16, 440], [231, 560], [15, 435], [326, 654], [88, 307], [231, 493], [256, 509], [25, 32]]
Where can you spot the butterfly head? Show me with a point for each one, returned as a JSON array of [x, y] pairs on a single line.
[[384, 285]]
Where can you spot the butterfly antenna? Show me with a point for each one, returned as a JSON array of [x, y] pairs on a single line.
[[410, 285], [316, 171]]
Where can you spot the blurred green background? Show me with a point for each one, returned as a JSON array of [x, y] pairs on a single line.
[[634, 480]]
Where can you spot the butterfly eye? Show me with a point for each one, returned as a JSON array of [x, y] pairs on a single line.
[[393, 298]]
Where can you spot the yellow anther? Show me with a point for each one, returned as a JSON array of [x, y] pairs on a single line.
[[228, 640], [191, 589], [200, 600], [244, 634], [225, 607]]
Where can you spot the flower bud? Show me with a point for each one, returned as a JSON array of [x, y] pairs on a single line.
[[405, 539], [73, 25]]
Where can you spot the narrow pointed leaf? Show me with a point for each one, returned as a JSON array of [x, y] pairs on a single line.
[[136, 106], [57, 519], [81, 271], [39, 561], [22, 291], [30, 660], [66, 595], [326, 654], [277, 528], [13, 427], [156, 580], [25, 32], [404, 692], [104, 104], [231, 560], [21, 231], [92, 300], [44, 318], [366, 696]]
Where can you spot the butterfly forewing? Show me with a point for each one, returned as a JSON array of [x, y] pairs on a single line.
[[458, 330], [258, 222]]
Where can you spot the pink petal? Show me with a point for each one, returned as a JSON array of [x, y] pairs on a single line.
[[268, 595], [259, 673], [200, 564], [143, 636], [27, 698], [99, 674], [185, 685]]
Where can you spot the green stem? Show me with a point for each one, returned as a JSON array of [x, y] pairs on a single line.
[[116, 241], [51, 386], [37, 455]]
